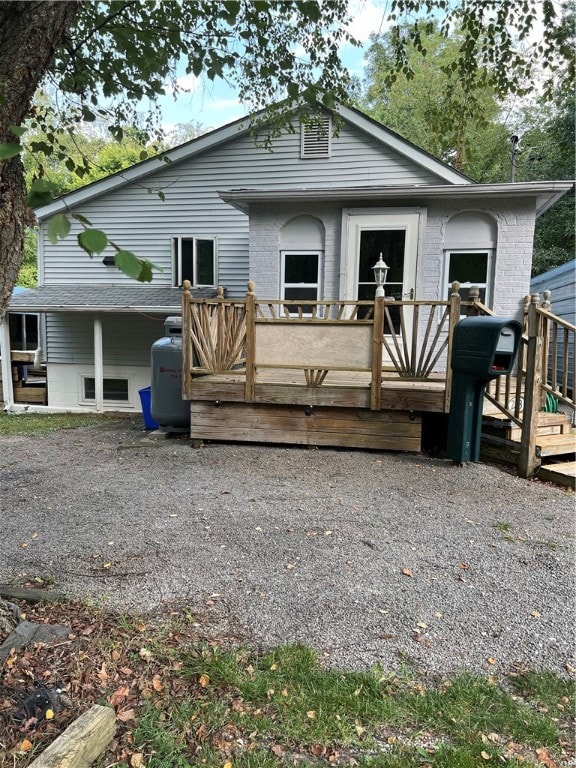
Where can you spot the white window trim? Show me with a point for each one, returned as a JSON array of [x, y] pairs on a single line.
[[303, 252], [83, 400], [177, 259], [488, 285]]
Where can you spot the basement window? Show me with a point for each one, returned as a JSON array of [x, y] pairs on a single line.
[[315, 137], [115, 390]]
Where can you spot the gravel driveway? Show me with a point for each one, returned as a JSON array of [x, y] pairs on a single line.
[[368, 557]]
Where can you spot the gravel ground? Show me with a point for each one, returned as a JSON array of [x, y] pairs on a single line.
[[368, 557]]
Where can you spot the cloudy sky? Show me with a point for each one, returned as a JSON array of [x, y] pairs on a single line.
[[214, 104]]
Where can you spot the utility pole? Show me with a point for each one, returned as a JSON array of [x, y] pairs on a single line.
[[514, 150]]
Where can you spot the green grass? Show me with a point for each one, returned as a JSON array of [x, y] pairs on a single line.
[[283, 708], [41, 424]]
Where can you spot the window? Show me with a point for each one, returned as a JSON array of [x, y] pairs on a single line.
[[300, 276], [315, 137], [195, 260], [469, 268], [114, 389]]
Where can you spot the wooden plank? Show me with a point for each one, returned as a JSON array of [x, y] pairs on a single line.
[[555, 445], [26, 394], [412, 400], [328, 427], [82, 742], [562, 473], [377, 350], [31, 595], [250, 343], [287, 394]]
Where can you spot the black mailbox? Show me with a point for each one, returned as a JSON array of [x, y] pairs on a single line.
[[483, 348]]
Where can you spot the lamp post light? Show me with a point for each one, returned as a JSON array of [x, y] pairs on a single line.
[[380, 272]]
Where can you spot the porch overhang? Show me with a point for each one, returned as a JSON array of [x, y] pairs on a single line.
[[160, 300], [544, 193]]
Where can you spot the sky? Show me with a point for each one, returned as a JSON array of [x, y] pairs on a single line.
[[215, 104]]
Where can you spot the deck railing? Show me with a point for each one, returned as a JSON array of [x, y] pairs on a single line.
[[387, 338], [543, 377]]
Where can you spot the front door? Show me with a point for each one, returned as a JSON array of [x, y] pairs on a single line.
[[395, 236]]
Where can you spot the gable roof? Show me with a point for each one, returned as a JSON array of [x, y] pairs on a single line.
[[211, 140]]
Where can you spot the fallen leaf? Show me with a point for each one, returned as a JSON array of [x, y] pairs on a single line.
[[407, 572], [126, 715], [106, 566], [277, 749], [491, 660], [311, 714], [145, 654], [485, 755], [137, 760], [227, 764], [25, 746], [204, 681], [157, 683], [536, 614]]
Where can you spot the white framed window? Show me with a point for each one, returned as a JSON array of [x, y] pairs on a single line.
[[300, 275], [469, 267], [194, 259], [315, 137], [115, 390]]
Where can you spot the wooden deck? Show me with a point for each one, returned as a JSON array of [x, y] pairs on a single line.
[[362, 374]]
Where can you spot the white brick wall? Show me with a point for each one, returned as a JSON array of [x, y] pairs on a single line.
[[512, 263]]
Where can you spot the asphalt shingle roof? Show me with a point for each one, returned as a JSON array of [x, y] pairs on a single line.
[[102, 298]]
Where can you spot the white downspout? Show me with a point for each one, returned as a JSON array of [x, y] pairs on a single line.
[[98, 366], [7, 385]]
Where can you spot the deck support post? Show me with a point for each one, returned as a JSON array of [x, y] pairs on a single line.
[[98, 366], [186, 341], [6, 354], [377, 347], [528, 462], [250, 342], [455, 306]]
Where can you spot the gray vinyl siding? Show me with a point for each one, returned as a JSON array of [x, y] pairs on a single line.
[[138, 220], [126, 339]]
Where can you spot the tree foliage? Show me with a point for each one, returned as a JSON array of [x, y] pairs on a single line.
[[430, 105]]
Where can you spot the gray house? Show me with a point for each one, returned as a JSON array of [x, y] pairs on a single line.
[[306, 218]]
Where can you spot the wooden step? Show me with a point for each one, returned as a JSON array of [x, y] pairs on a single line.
[[561, 473], [555, 445]]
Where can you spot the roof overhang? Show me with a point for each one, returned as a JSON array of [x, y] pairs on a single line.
[[544, 193], [149, 300]]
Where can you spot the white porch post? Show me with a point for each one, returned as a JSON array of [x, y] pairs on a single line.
[[5, 351], [98, 366]]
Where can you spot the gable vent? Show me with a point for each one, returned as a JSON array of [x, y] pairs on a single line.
[[315, 137]]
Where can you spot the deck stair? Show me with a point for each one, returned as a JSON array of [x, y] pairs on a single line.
[[555, 445]]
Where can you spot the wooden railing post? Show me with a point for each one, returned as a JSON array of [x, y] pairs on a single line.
[[532, 391], [455, 307], [474, 295], [377, 347], [250, 342], [186, 341]]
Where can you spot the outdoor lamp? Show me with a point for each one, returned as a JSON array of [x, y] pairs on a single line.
[[380, 273]]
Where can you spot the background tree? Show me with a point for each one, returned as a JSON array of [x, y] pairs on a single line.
[[429, 104], [127, 52]]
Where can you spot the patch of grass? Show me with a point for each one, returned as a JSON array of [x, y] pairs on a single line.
[[43, 423], [502, 526], [183, 699]]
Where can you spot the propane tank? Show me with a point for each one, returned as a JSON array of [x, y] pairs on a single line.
[[168, 409]]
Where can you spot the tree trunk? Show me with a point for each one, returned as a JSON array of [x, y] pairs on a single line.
[[29, 35]]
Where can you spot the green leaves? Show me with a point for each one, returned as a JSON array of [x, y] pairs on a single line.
[[92, 241], [41, 192], [58, 228], [9, 150]]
